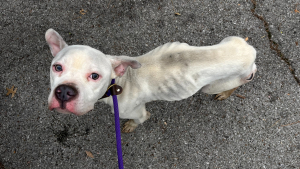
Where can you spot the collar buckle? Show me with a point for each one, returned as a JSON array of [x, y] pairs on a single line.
[[113, 89]]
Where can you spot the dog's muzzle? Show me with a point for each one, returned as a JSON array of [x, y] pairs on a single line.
[[64, 94]]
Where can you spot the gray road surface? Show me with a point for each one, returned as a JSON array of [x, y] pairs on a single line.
[[260, 130]]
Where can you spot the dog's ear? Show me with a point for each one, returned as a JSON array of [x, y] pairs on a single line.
[[55, 41], [121, 63]]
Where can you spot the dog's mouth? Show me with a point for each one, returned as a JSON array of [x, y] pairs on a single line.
[[61, 106], [64, 111], [68, 108]]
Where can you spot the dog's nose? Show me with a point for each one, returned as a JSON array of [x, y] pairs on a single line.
[[65, 93]]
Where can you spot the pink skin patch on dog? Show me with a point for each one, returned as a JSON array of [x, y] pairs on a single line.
[[70, 107]]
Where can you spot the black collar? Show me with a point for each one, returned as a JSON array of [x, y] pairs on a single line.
[[113, 89]]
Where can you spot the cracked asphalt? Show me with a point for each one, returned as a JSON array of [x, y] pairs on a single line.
[[257, 127]]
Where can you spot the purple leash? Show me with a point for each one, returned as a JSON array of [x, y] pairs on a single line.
[[114, 90], [117, 127]]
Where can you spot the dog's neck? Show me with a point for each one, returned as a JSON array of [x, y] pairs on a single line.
[[127, 82]]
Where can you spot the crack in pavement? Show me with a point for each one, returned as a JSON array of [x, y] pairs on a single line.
[[273, 45]]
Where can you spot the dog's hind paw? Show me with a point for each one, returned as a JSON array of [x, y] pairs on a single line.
[[129, 126]]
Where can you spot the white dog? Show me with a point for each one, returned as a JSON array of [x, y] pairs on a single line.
[[80, 75]]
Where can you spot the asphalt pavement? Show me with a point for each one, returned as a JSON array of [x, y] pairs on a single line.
[[257, 127]]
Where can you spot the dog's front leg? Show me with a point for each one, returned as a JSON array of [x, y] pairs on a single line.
[[141, 114]]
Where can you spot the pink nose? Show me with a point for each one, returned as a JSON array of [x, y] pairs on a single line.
[[65, 93]]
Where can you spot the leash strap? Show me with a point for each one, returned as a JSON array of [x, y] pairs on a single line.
[[114, 94]]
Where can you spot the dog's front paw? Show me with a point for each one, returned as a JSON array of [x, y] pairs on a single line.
[[221, 96], [225, 94], [129, 126]]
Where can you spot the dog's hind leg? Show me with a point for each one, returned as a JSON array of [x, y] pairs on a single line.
[[223, 87], [131, 124], [225, 94]]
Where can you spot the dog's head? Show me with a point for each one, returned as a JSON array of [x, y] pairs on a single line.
[[80, 75]]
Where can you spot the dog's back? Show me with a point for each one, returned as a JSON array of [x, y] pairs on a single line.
[[186, 69]]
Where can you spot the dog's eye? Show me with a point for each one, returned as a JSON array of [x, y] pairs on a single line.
[[251, 77], [58, 68], [94, 76]]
